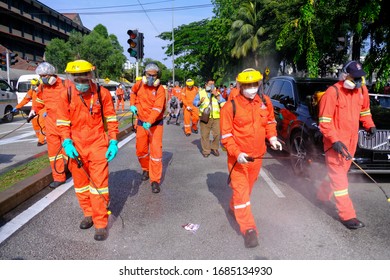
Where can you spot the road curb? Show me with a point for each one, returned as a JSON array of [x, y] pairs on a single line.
[[23, 190]]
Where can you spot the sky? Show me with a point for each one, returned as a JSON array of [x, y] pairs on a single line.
[[150, 17]]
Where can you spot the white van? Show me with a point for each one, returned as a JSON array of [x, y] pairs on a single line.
[[8, 101], [111, 86], [22, 86]]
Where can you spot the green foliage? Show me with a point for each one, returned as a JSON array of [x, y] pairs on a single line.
[[58, 53], [99, 48]]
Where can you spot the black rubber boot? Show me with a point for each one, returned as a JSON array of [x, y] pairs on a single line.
[[100, 234], [86, 223], [145, 175], [155, 187], [56, 184], [251, 238]]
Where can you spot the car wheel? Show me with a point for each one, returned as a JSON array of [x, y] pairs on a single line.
[[8, 116], [298, 154]]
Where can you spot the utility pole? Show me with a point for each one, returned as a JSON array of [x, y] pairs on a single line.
[[173, 44]]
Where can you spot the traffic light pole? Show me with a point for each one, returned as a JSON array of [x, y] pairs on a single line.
[[136, 68], [7, 58]]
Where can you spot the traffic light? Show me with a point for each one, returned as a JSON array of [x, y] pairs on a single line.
[[12, 58], [141, 45], [3, 62], [133, 43]]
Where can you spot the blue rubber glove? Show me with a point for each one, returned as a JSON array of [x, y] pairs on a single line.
[[133, 109], [146, 125], [112, 150], [70, 150], [15, 111]]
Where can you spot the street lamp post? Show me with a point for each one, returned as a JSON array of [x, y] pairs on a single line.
[[173, 44]]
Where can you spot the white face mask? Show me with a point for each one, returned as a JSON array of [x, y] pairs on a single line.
[[249, 92], [349, 84]]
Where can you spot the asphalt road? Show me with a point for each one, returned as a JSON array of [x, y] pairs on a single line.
[[147, 226], [17, 142]]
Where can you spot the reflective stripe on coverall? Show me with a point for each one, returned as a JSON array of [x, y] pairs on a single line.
[[48, 97], [246, 132], [120, 93], [150, 103], [83, 124], [188, 96], [339, 116], [38, 123]]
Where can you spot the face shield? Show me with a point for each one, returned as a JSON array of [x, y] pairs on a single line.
[[82, 81]]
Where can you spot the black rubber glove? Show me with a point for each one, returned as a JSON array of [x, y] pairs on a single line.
[[341, 149], [371, 131]]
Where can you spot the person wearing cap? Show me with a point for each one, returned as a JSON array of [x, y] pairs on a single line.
[[38, 121], [48, 98], [341, 109], [191, 112], [86, 109], [246, 122], [147, 101], [209, 99]]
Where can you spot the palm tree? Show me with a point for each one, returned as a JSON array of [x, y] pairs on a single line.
[[246, 32]]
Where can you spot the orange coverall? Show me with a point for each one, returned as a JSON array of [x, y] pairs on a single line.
[[120, 93], [339, 118], [246, 133], [38, 122], [150, 103], [177, 91], [188, 96], [82, 122], [48, 97], [233, 93]]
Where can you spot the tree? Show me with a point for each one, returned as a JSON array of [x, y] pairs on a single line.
[[246, 32], [99, 48], [58, 53]]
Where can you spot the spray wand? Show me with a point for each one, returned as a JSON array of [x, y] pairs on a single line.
[[349, 157]]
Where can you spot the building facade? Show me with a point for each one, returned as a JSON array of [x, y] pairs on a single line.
[[26, 26]]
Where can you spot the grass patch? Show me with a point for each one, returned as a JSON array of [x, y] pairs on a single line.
[[22, 172], [125, 121], [36, 165]]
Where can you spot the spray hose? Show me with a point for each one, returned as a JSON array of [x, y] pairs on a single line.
[[27, 121], [349, 157]]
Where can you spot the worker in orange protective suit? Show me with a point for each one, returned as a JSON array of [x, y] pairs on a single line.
[[86, 107], [38, 122], [120, 94], [147, 101], [48, 98], [340, 110], [191, 112], [245, 124], [177, 91]]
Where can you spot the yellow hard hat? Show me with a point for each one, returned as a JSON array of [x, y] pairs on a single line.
[[190, 82], [34, 82], [79, 66], [249, 76], [138, 78]]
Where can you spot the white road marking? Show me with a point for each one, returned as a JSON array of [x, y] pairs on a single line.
[[9, 228], [17, 138], [271, 184]]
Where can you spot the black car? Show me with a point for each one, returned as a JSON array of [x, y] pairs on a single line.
[[298, 130]]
